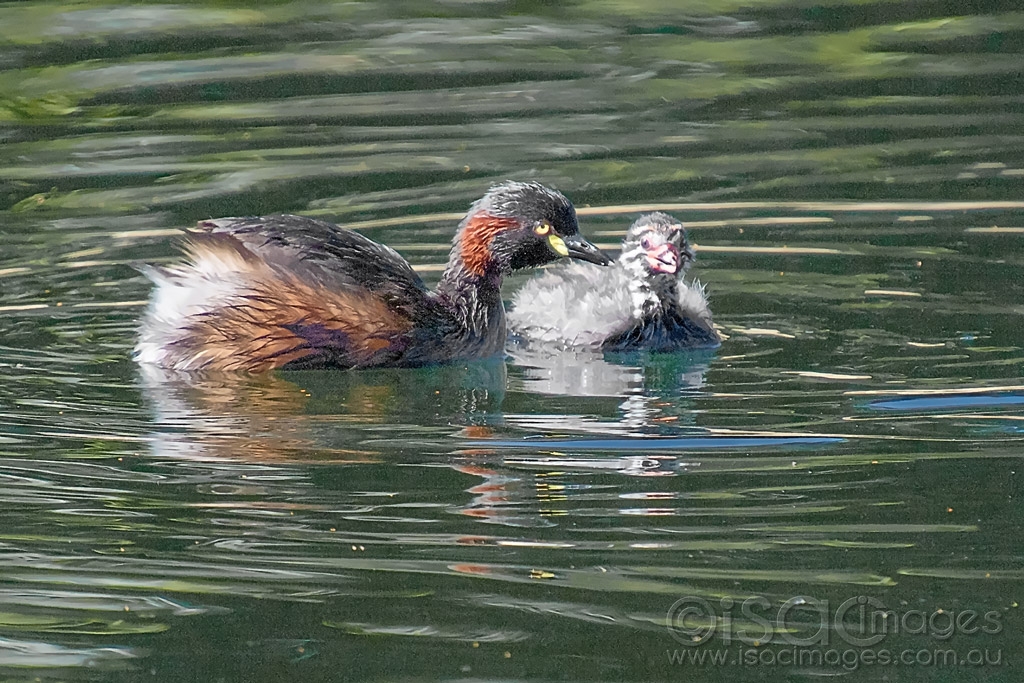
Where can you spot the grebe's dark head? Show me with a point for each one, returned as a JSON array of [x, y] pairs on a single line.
[[656, 244], [521, 225]]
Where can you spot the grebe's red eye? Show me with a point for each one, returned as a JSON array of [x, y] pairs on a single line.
[[645, 242]]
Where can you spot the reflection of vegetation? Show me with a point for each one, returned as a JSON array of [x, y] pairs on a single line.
[[40, 22], [710, 67], [306, 107], [27, 109]]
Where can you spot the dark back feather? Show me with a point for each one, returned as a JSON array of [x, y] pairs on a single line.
[[332, 256]]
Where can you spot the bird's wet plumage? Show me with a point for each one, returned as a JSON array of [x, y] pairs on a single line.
[[641, 302], [287, 291]]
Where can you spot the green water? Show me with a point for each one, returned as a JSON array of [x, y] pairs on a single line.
[[852, 174]]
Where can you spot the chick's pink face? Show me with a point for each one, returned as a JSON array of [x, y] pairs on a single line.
[[661, 256]]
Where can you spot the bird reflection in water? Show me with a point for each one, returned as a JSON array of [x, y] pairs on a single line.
[[628, 395], [320, 416], [650, 389], [445, 414]]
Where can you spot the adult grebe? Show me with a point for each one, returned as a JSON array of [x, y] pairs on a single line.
[[276, 291]]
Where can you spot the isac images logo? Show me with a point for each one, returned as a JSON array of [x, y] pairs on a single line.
[[807, 632]]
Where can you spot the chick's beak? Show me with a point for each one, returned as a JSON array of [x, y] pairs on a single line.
[[663, 259], [581, 249]]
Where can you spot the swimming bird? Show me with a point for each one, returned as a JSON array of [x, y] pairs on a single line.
[[287, 291], [641, 302]]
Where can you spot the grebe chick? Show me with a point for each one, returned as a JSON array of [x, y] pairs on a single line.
[[287, 291], [641, 302]]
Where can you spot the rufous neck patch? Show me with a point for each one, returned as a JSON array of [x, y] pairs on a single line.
[[476, 238]]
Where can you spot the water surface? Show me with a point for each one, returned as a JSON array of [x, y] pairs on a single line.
[[852, 176]]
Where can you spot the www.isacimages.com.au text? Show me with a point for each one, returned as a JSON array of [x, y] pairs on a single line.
[[849, 659]]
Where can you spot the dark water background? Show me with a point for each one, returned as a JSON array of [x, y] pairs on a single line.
[[852, 173]]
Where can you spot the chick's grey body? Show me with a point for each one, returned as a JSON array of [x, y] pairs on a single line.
[[641, 301]]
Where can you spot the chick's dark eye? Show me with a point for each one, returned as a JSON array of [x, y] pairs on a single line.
[[645, 242]]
